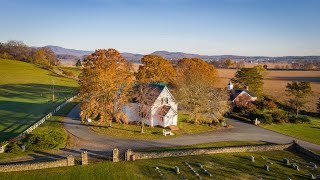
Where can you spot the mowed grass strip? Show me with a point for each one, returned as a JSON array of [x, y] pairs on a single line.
[[307, 131], [26, 93], [222, 166]]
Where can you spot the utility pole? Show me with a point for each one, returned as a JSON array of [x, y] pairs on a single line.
[[52, 90]]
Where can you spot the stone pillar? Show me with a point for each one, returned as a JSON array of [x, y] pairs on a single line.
[[70, 160], [128, 154], [115, 155], [84, 158]]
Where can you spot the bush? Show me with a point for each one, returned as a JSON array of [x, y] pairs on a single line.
[[267, 119], [279, 116], [45, 141], [13, 147], [299, 119]]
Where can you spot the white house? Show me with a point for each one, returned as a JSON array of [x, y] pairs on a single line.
[[162, 109]]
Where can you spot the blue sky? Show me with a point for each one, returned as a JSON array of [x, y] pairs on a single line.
[[212, 27]]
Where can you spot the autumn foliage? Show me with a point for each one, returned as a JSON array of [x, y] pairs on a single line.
[[104, 85], [155, 69]]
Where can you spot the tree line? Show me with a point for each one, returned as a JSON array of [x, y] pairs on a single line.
[[19, 51]]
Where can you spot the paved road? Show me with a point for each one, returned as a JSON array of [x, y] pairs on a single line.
[[89, 140]]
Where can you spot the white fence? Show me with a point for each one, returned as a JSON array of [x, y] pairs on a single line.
[[30, 129]]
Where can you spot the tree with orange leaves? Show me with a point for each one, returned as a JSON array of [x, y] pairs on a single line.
[[196, 92], [104, 85], [155, 69]]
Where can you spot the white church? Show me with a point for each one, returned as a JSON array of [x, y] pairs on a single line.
[[162, 109]]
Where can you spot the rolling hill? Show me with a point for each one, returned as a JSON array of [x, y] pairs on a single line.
[[25, 95]]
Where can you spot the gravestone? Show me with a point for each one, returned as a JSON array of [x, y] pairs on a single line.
[[200, 165], [23, 147], [312, 176], [286, 161], [296, 167], [84, 158], [177, 170], [288, 178], [251, 158], [313, 165], [266, 167]]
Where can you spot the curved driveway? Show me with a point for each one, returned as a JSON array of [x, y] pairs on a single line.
[[87, 139]]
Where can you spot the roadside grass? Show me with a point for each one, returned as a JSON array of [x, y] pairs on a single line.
[[26, 93], [52, 124], [222, 166], [134, 131], [206, 145], [307, 131]]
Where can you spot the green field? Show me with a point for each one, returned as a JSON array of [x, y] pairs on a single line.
[[26, 93], [222, 166], [307, 131]]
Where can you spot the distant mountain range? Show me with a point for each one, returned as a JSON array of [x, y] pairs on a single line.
[[70, 56]]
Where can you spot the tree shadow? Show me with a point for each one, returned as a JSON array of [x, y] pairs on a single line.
[[21, 105]]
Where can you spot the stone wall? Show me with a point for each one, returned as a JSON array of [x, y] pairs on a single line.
[[69, 161], [302, 150], [216, 150]]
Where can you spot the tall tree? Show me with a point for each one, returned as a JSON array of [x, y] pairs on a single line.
[[251, 78], [104, 84], [155, 69], [298, 92], [195, 88], [78, 64]]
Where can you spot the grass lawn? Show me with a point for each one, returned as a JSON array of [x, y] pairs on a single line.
[[25, 95], [52, 124], [222, 166], [75, 70], [134, 131], [308, 131]]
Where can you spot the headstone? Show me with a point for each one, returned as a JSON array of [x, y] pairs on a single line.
[[177, 170], [200, 165], [296, 167], [156, 167], [23, 147], [286, 161], [251, 158], [313, 165], [312, 176], [288, 178], [266, 167]]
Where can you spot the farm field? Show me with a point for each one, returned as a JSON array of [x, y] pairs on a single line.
[[275, 83], [222, 166], [25, 95]]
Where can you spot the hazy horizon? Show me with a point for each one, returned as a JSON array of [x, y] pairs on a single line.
[[221, 27]]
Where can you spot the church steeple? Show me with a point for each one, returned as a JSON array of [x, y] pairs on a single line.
[[230, 85]]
